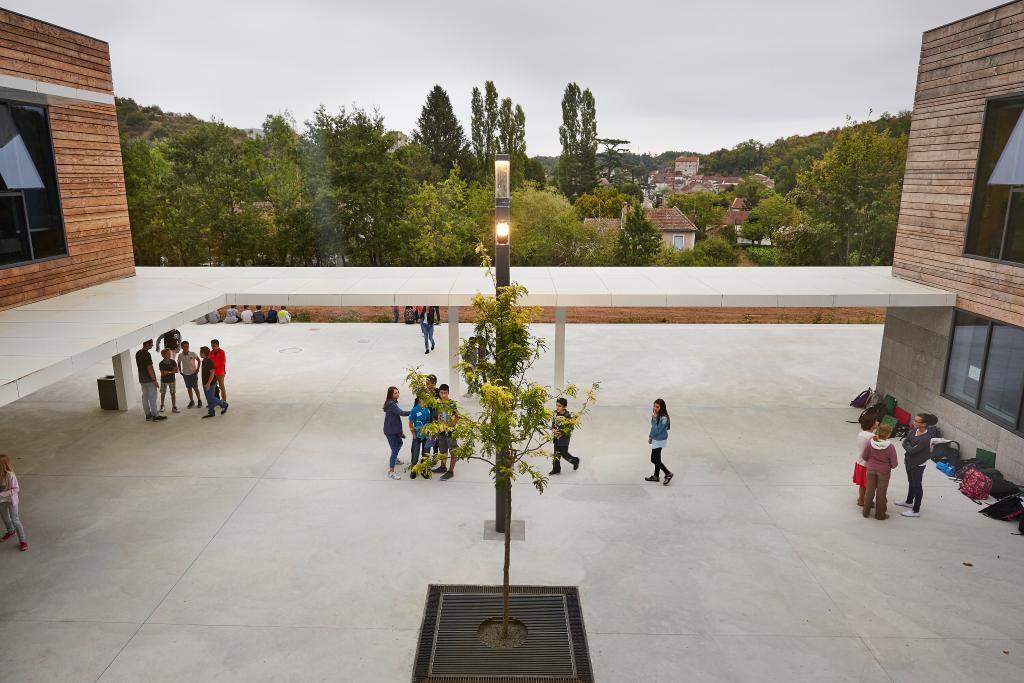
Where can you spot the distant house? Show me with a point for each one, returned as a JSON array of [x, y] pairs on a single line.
[[765, 180], [687, 166], [677, 230]]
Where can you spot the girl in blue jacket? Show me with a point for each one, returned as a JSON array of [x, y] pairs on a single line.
[[393, 415], [658, 437]]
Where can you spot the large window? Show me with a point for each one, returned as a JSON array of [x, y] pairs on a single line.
[[996, 226], [985, 371], [31, 226]]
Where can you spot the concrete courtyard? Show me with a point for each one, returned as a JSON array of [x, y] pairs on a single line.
[[267, 544]]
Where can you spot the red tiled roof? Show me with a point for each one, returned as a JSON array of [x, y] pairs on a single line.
[[735, 217], [670, 220], [739, 203], [603, 225]]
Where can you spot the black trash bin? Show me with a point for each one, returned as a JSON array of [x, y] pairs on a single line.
[[108, 392]]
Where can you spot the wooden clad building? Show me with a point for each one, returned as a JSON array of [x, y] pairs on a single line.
[[63, 212], [961, 228]]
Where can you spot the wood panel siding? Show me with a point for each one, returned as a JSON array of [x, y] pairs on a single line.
[[87, 153], [962, 65]]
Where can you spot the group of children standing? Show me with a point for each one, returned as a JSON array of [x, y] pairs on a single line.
[[420, 415], [876, 459]]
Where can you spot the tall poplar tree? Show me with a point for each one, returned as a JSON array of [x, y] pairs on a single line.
[[576, 171], [439, 130]]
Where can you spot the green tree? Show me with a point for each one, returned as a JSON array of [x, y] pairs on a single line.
[[639, 241], [611, 157], [774, 213], [514, 424], [852, 196], [576, 171], [442, 225], [546, 230], [512, 139], [535, 172], [751, 190], [367, 183], [603, 202], [277, 160], [705, 209], [146, 174], [484, 113], [439, 130]]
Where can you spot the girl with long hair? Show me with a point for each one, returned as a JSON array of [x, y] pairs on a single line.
[[9, 503], [658, 437]]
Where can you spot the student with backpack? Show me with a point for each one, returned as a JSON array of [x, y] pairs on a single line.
[[658, 437], [259, 316], [272, 315], [419, 417], [561, 434], [917, 449], [9, 503], [868, 425], [393, 415], [880, 456]]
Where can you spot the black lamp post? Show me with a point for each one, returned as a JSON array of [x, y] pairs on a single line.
[[503, 278]]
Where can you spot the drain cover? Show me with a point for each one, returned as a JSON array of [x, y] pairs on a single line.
[[290, 349], [450, 650], [364, 341]]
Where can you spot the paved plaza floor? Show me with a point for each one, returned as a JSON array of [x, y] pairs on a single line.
[[267, 544]]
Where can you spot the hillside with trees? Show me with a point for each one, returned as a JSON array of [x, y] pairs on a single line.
[[343, 189]]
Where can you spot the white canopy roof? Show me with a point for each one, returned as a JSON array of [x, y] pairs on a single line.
[[43, 342]]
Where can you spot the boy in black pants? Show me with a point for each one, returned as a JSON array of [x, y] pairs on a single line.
[[562, 437]]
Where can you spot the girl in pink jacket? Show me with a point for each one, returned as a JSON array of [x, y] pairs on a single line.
[[9, 503]]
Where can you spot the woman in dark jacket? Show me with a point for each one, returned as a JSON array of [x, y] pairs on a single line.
[[393, 430], [917, 447]]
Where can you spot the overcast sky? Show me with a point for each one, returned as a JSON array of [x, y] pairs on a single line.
[[672, 74]]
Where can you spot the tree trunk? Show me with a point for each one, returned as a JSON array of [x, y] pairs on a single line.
[[508, 550]]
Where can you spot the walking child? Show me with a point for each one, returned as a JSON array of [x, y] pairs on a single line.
[[880, 456], [210, 384], [561, 433], [868, 425], [9, 503], [168, 370], [658, 437]]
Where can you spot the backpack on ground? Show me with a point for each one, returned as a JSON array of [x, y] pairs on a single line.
[[1007, 509], [946, 450], [410, 315], [861, 401], [976, 485], [1001, 488], [964, 465]]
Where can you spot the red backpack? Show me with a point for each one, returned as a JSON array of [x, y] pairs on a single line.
[[976, 485]]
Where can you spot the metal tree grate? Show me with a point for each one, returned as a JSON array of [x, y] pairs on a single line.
[[450, 651]]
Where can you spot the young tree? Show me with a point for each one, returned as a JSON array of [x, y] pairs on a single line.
[[439, 130], [547, 231], [514, 424], [639, 241], [751, 190]]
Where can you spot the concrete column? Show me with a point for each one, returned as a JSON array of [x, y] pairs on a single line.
[[559, 347], [124, 380], [454, 385]]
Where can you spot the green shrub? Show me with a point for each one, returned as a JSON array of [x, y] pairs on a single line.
[[763, 256], [302, 317]]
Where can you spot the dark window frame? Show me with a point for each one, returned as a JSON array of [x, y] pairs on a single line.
[[1018, 428], [974, 183], [60, 204]]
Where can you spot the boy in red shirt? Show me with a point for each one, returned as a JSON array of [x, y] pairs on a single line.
[[220, 364]]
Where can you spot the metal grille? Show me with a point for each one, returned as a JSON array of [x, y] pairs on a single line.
[[450, 651]]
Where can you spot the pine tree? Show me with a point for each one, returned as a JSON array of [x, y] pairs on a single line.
[[440, 131], [639, 241]]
